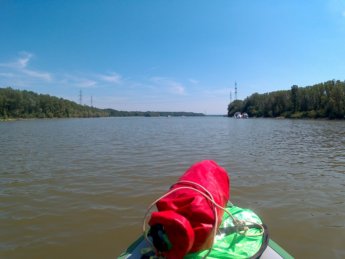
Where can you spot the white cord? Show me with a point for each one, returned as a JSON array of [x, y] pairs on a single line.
[[237, 223], [170, 192]]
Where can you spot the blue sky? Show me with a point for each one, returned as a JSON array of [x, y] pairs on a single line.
[[181, 55]]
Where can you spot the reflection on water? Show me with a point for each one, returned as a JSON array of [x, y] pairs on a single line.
[[80, 187]]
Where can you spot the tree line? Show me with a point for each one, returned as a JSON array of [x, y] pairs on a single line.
[[116, 113], [323, 100], [25, 104]]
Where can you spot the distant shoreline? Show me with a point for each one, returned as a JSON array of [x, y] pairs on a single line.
[[22, 104], [56, 118], [323, 100]]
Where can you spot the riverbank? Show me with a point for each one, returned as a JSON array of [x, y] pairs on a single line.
[[323, 100]]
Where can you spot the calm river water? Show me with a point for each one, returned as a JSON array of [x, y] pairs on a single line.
[[78, 188]]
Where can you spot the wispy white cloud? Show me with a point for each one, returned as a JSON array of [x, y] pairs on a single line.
[[78, 81], [23, 60], [171, 85], [19, 71], [111, 78], [20, 67], [37, 74], [154, 92], [19, 63], [86, 83], [91, 80], [10, 75]]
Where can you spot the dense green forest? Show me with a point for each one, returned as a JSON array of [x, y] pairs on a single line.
[[323, 100], [16, 104], [116, 113]]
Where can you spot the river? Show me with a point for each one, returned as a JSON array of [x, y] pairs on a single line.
[[78, 188]]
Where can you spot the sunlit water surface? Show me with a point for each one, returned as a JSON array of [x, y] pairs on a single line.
[[78, 188]]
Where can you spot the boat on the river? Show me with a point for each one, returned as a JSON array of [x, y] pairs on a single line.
[[239, 115], [195, 219]]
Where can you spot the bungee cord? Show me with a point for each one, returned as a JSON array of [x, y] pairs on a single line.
[[238, 224]]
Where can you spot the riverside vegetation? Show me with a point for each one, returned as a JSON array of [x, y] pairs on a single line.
[[18, 104], [323, 100]]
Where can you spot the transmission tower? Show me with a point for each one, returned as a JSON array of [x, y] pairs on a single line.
[[235, 90], [80, 97], [91, 102]]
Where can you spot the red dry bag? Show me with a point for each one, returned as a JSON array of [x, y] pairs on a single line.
[[185, 220]]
